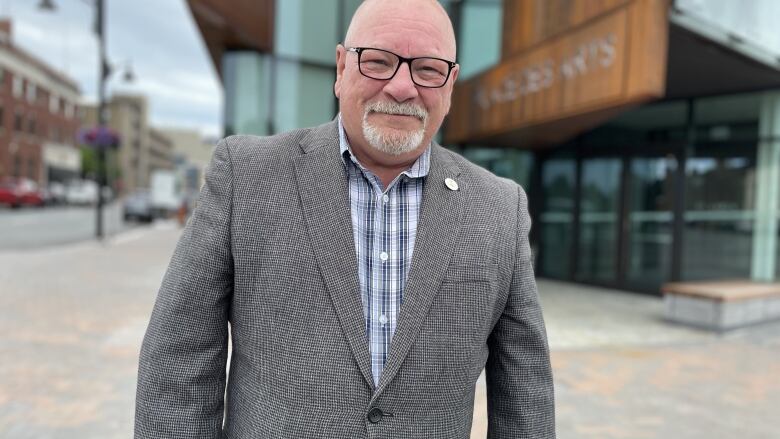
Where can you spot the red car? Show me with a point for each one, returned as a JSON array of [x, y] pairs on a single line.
[[8, 193], [20, 192]]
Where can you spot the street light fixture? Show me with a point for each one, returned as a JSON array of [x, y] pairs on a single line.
[[47, 5], [104, 73]]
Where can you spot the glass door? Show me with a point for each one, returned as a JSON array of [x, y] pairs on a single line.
[[650, 221], [599, 219], [559, 183]]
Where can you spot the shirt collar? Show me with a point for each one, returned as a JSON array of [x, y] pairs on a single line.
[[419, 168]]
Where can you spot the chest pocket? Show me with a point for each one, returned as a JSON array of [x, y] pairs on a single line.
[[466, 296]]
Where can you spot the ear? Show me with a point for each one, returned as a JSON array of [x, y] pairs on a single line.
[[451, 86], [341, 62], [454, 73]]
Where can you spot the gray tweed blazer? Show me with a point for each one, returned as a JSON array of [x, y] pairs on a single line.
[[268, 258]]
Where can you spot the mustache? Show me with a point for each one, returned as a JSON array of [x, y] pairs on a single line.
[[396, 108]]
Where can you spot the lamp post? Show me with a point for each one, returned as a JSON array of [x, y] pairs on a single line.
[[102, 115]]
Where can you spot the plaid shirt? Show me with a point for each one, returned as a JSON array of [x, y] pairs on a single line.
[[384, 224]]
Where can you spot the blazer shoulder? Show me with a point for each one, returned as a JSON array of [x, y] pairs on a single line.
[[244, 147]]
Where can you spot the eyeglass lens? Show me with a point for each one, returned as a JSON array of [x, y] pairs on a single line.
[[427, 72]]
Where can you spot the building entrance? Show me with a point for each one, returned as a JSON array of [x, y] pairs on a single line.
[[608, 217]]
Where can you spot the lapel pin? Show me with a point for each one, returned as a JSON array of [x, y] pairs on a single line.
[[451, 184]]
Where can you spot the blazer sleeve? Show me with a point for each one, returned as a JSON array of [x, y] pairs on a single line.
[[520, 397], [181, 375]]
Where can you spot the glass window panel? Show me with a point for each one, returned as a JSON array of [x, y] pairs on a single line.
[[719, 215], [246, 81], [479, 37], [727, 118], [350, 6], [557, 228], [308, 30], [304, 95], [651, 192], [505, 162], [659, 123], [599, 206]]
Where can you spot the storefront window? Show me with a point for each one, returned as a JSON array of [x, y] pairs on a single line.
[[719, 214], [599, 214], [660, 123], [557, 216], [510, 163], [651, 186], [720, 188]]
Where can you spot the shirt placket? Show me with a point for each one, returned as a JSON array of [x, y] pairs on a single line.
[[381, 278]]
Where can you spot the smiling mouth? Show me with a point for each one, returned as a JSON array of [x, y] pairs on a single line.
[[396, 114]]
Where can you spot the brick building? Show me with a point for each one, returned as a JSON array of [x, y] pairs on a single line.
[[38, 116]]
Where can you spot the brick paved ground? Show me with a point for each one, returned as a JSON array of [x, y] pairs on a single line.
[[622, 372], [72, 318], [71, 322]]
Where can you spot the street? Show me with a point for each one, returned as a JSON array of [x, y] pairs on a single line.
[[39, 227]]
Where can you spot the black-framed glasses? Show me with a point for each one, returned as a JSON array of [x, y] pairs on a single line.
[[382, 64]]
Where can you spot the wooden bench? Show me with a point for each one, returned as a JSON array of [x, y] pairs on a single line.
[[721, 305]]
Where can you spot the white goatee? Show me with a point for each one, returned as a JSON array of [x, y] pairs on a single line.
[[391, 141]]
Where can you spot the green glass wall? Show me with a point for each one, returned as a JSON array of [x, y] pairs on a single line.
[[307, 30], [292, 87], [246, 77], [304, 95], [479, 37]]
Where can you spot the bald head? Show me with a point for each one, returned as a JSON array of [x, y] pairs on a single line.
[[390, 122], [429, 15]]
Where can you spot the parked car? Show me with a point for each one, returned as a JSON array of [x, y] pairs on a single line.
[[81, 192], [57, 192], [84, 192], [30, 193], [8, 195], [21, 192], [138, 206]]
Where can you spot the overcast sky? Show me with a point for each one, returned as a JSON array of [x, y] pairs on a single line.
[[159, 38]]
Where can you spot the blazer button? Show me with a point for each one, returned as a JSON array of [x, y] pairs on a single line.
[[375, 415]]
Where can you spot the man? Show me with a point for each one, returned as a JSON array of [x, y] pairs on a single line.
[[368, 274]]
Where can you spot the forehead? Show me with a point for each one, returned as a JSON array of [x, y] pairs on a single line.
[[405, 31]]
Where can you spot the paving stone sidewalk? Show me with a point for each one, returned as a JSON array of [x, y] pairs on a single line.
[[72, 318]]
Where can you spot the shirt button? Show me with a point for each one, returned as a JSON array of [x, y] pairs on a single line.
[[385, 198], [383, 256], [383, 319]]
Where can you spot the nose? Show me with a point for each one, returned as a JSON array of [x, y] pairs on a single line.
[[401, 87]]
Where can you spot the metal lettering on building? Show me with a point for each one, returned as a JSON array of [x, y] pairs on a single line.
[[549, 88], [588, 58]]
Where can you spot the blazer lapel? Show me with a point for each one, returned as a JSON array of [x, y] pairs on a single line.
[[322, 184], [441, 214]]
